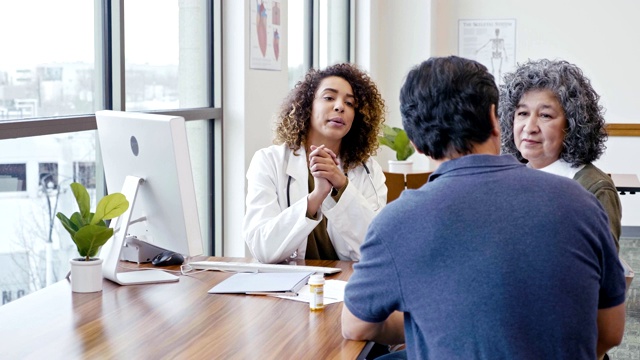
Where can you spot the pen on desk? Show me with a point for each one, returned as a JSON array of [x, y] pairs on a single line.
[[271, 293]]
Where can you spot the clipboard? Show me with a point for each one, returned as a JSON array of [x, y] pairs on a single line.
[[281, 283]]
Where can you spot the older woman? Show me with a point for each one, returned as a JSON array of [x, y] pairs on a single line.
[[313, 195], [550, 118]]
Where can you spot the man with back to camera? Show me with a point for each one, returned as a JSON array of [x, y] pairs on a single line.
[[489, 259]]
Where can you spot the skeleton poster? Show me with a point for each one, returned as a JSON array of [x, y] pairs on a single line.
[[489, 42]]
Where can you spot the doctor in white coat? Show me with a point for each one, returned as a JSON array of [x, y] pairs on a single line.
[[314, 194]]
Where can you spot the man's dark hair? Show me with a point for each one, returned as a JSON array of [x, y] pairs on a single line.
[[445, 104]]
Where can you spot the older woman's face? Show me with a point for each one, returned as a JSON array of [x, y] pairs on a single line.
[[539, 127]]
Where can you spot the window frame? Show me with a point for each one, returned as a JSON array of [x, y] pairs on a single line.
[[110, 94]]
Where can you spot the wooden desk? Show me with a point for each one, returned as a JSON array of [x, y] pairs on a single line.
[[172, 321], [626, 183]]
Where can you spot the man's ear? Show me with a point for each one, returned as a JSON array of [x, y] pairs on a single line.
[[494, 120], [414, 146]]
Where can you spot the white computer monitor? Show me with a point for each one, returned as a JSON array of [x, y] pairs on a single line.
[[146, 157]]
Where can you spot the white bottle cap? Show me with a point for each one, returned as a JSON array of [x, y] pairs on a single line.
[[316, 279]]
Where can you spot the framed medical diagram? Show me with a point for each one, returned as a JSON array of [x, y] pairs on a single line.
[[265, 35], [489, 42]]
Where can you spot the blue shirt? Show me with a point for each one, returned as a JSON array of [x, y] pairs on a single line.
[[490, 260]]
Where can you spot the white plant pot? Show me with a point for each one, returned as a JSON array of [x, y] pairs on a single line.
[[86, 276], [400, 166]]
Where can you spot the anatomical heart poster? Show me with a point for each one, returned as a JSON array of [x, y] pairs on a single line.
[[265, 35]]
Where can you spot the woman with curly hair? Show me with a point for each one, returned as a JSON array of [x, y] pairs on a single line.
[[314, 193], [550, 118]]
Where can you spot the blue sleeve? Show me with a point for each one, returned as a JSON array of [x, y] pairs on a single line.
[[373, 290], [612, 282]]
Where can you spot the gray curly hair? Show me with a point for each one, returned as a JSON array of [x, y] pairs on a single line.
[[585, 134]]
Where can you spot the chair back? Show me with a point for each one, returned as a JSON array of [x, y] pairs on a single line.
[[397, 182], [395, 185], [415, 181]]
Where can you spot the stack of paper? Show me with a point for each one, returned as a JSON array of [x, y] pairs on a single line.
[[280, 283]]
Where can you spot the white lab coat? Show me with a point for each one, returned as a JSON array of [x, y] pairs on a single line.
[[275, 232]]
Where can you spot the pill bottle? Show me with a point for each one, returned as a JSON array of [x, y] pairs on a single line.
[[316, 286]]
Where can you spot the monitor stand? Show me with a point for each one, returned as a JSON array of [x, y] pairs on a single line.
[[112, 259]]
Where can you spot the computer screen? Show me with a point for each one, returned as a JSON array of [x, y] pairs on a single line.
[[146, 157]]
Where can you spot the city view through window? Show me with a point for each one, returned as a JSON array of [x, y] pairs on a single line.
[[47, 69], [51, 68]]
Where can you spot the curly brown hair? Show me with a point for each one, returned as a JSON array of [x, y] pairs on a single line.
[[361, 142]]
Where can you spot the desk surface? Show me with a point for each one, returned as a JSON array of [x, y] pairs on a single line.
[[626, 182], [172, 320]]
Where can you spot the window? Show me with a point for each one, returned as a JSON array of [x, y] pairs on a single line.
[[333, 32], [319, 35], [164, 54], [51, 83], [46, 72], [13, 177], [48, 176], [84, 172], [300, 24]]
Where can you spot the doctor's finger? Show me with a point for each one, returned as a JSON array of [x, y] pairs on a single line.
[[323, 154], [333, 155], [327, 162]]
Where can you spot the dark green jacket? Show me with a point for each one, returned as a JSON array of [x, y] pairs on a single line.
[[600, 184]]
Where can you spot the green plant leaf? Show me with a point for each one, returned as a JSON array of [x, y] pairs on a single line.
[[388, 137], [109, 207], [385, 141], [100, 222], [83, 200], [396, 139], [71, 227], [389, 131], [90, 238], [88, 230], [78, 220], [404, 149]]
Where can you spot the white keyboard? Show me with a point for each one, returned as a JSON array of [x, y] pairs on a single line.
[[259, 267]]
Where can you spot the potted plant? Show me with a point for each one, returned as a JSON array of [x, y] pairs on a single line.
[[397, 139], [89, 232]]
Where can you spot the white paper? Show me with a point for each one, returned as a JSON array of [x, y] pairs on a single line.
[[262, 283], [333, 292]]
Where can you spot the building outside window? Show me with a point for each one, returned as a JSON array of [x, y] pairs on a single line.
[[61, 72], [319, 35], [48, 175], [13, 177], [84, 172]]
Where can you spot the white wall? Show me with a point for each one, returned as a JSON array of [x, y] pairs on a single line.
[[391, 37], [390, 40], [600, 37], [250, 99]]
